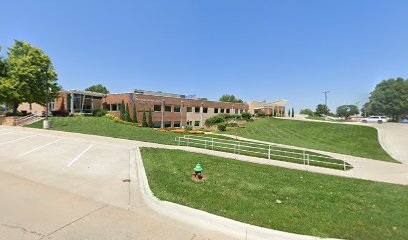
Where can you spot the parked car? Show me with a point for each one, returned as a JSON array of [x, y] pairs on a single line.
[[404, 120], [373, 119]]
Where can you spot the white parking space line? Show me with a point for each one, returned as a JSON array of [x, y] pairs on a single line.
[[77, 157], [15, 140], [38, 148]]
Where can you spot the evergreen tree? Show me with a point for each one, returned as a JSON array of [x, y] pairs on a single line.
[[293, 112], [289, 113], [122, 110], [134, 116], [127, 113], [144, 122], [150, 119]]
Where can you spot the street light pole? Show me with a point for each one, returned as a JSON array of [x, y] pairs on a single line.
[[46, 123], [325, 97]]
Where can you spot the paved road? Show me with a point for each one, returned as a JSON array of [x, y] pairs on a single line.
[[394, 139]]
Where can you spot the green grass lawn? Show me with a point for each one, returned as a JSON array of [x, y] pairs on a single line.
[[106, 127], [312, 204], [354, 140]]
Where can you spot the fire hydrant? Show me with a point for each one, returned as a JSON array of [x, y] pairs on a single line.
[[197, 171]]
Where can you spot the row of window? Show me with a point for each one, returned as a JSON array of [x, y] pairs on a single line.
[[177, 108], [167, 124]]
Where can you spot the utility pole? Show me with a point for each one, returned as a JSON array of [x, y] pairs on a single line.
[[325, 97]]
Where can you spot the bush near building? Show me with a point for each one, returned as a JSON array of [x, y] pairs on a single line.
[[222, 127], [246, 115], [307, 111]]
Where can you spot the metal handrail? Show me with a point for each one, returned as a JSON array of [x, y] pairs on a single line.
[[242, 146]]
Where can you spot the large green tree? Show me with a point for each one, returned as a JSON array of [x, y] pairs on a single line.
[[99, 88], [390, 98], [27, 74], [347, 110], [230, 98], [322, 110]]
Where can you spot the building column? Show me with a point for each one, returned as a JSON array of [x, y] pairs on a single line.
[[201, 115], [72, 103], [162, 113], [181, 113]]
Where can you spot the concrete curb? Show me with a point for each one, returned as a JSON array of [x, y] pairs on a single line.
[[213, 222]]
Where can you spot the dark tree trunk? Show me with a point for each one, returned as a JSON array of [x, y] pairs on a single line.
[[15, 107]]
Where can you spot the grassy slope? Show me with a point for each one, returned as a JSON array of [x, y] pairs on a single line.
[[313, 204], [354, 140], [106, 127]]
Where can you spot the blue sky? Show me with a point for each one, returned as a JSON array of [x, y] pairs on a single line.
[[264, 50]]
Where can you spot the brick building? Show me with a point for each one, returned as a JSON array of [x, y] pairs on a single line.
[[171, 110], [168, 110]]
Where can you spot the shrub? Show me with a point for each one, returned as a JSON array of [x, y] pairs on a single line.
[[293, 112], [99, 112], [232, 124], [222, 127], [134, 116], [127, 114], [188, 128], [17, 114], [110, 116], [246, 115], [215, 120], [150, 123], [307, 111], [144, 121], [261, 113], [122, 110]]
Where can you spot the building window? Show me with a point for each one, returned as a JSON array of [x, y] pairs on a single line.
[[227, 110], [157, 124], [241, 111], [52, 105], [167, 124], [215, 110], [222, 110], [205, 110], [176, 124], [167, 108], [236, 111], [106, 107], [114, 107], [197, 123], [189, 109], [157, 108], [196, 109], [176, 108], [189, 123]]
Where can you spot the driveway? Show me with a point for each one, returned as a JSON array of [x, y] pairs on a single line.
[[394, 139], [59, 187]]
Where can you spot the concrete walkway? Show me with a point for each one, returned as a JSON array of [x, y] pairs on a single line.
[[90, 187], [393, 138]]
